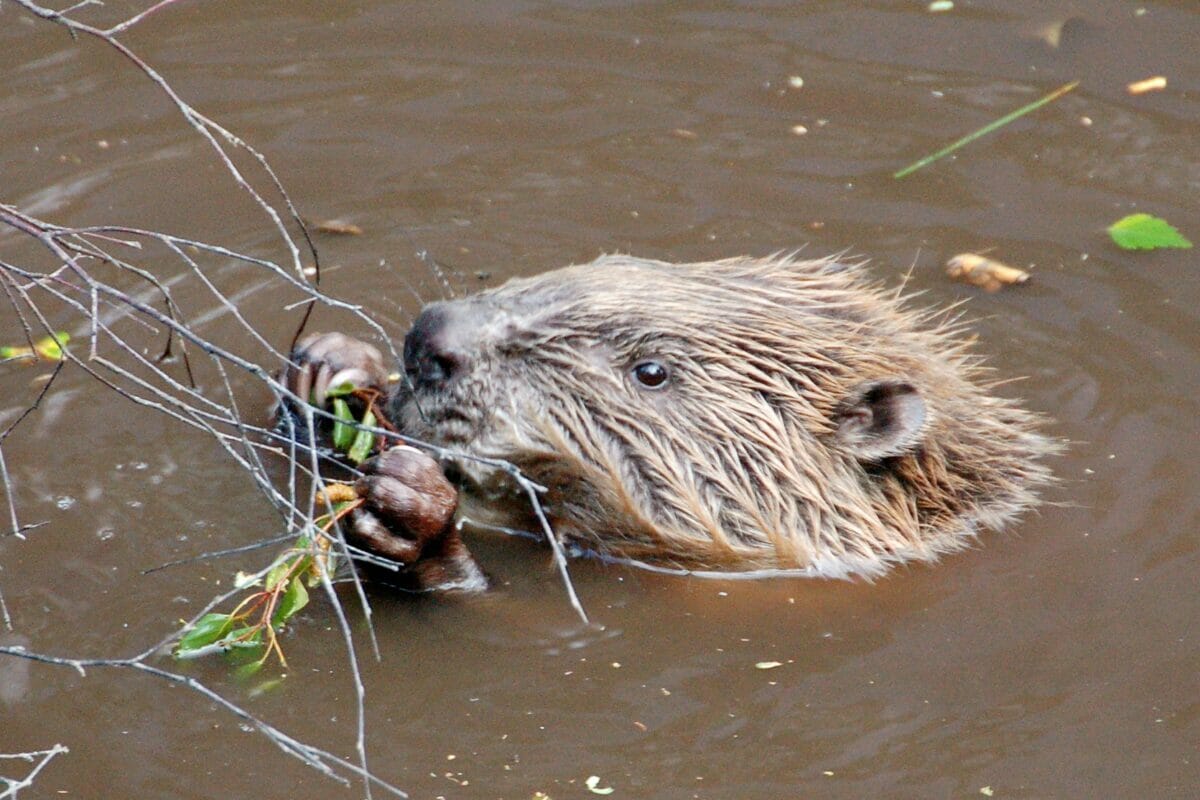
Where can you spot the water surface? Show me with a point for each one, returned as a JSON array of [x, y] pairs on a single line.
[[1057, 660]]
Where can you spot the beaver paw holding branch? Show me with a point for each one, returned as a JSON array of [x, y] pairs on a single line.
[[407, 510], [322, 361], [408, 516], [730, 415]]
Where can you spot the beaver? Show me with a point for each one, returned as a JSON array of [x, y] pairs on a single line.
[[731, 415]]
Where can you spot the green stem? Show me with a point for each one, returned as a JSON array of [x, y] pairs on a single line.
[[986, 129]]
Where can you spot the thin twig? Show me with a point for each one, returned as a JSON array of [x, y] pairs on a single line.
[[11, 786], [319, 759], [115, 304]]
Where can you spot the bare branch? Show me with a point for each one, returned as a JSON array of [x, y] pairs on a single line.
[[9, 787], [319, 759], [119, 297], [129, 23]]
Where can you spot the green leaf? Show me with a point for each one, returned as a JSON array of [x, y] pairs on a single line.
[[253, 637], [48, 347], [304, 564], [363, 442], [343, 429], [207, 630], [279, 572], [294, 599], [1146, 232], [341, 390], [51, 347]]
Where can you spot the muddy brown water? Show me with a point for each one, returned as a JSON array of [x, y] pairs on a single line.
[[1061, 659]]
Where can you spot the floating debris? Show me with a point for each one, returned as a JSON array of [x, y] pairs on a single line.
[[593, 785], [984, 272], [338, 227], [1153, 84]]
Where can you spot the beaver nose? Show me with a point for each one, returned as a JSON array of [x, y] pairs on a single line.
[[434, 354]]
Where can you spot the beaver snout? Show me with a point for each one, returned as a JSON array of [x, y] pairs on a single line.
[[436, 349]]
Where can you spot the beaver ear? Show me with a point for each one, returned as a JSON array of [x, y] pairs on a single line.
[[880, 419]]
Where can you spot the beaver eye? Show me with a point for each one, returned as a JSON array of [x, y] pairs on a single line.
[[651, 374]]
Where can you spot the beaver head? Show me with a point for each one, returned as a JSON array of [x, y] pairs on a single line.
[[731, 414]]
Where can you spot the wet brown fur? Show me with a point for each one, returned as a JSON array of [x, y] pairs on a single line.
[[737, 462]]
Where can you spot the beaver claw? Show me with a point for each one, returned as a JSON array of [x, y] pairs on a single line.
[[321, 361], [408, 516], [408, 506]]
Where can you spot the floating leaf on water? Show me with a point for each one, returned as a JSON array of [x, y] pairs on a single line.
[[593, 785], [984, 272], [1146, 232]]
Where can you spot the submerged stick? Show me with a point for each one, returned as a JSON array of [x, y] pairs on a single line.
[[986, 129]]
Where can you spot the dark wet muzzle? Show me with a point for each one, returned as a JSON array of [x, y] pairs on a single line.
[[435, 354]]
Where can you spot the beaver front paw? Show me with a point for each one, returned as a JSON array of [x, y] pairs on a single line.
[[408, 517], [322, 361], [319, 363]]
